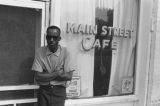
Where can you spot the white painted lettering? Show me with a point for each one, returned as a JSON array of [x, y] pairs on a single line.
[[104, 30], [105, 43], [97, 43], [81, 29]]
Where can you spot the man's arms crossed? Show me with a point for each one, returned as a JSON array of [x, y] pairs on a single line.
[[57, 75]]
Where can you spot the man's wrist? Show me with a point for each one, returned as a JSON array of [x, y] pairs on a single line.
[[55, 73]]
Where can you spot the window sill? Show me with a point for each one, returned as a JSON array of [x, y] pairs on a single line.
[[102, 100]]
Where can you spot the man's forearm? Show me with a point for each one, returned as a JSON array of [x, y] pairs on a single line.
[[45, 77], [64, 76]]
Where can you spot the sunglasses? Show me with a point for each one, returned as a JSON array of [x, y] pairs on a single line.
[[52, 37]]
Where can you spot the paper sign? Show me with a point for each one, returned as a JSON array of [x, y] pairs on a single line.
[[127, 85], [73, 90]]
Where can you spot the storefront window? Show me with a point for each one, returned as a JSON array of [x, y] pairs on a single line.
[[101, 36]]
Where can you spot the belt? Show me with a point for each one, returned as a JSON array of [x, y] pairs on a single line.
[[50, 86]]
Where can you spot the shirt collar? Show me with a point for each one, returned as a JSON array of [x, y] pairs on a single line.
[[57, 53]]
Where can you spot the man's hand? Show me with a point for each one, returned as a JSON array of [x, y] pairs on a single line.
[[65, 76], [59, 72]]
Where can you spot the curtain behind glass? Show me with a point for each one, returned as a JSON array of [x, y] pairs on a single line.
[[125, 16], [79, 12]]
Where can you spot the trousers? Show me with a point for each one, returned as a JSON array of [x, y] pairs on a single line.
[[51, 95]]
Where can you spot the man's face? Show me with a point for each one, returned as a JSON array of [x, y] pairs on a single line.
[[53, 37]]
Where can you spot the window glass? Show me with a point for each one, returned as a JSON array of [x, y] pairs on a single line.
[[101, 37], [19, 30], [17, 44]]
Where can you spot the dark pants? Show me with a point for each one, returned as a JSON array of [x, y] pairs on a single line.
[[51, 96]]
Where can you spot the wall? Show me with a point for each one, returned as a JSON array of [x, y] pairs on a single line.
[[154, 82]]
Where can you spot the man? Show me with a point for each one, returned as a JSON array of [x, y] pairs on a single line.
[[52, 70]]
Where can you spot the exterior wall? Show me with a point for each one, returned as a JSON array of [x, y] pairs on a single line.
[[143, 51], [154, 83]]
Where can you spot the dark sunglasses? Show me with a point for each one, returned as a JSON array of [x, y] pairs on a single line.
[[52, 37]]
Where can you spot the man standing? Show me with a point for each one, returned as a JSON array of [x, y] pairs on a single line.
[[52, 70]]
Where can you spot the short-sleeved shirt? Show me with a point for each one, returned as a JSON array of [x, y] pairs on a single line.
[[50, 62]]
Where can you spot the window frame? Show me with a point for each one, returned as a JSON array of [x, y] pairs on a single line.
[[142, 62], [39, 5]]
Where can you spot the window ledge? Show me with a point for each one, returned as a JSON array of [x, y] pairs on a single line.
[[101, 100]]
